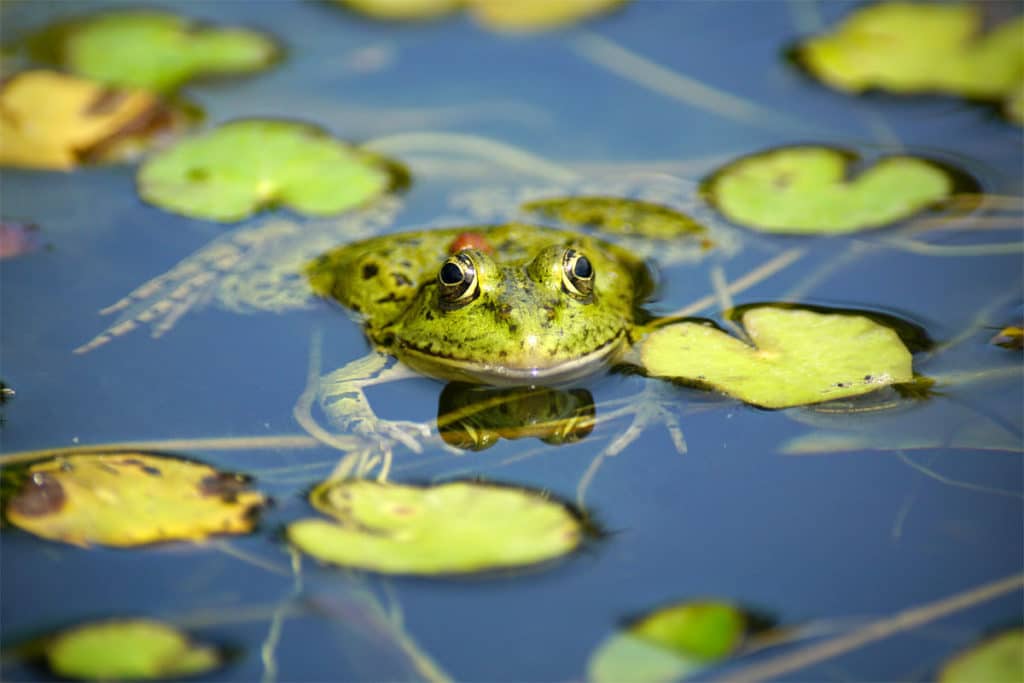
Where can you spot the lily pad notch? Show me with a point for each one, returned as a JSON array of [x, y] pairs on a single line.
[[230, 172]]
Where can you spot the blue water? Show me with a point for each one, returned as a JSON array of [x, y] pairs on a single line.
[[857, 535]]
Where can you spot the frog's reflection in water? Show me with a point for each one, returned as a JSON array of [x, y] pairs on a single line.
[[475, 417]]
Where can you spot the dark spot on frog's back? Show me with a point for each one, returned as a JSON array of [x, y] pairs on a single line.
[[370, 270], [223, 485], [41, 495], [401, 280]]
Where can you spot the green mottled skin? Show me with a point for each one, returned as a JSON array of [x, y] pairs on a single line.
[[523, 326]]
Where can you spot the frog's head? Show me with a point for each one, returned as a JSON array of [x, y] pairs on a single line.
[[536, 320]]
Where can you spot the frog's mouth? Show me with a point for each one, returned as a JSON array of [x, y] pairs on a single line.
[[450, 367]]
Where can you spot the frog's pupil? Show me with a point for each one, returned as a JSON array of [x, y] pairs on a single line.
[[582, 268], [451, 274]]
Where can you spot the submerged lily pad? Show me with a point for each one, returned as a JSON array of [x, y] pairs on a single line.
[[448, 528], [517, 15], [55, 121], [238, 168], [159, 51], [128, 649], [805, 190], [997, 660], [919, 47], [798, 356], [128, 499], [618, 216], [670, 644]]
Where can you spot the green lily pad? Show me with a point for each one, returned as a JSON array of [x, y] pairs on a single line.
[[618, 216], [919, 47], [159, 51], [448, 528], [997, 660], [129, 649], [799, 357], [670, 644], [129, 499], [805, 190], [238, 168]]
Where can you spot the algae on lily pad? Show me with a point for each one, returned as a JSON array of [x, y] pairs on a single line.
[[806, 190], [449, 528], [670, 644], [908, 47], [798, 356], [502, 15], [159, 51], [128, 649], [230, 172], [997, 660], [129, 499], [618, 216], [56, 121]]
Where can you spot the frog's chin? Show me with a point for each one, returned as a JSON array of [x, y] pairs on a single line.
[[559, 372]]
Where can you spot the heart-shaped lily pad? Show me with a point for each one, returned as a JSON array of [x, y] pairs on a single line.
[[996, 660], [618, 216], [919, 47], [128, 649], [159, 51], [129, 499], [805, 190], [670, 644], [238, 168], [799, 356], [55, 121], [450, 528]]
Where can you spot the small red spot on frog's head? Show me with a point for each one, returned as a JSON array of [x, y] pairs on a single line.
[[470, 240]]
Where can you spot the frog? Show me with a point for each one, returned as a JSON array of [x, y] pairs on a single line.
[[511, 304]]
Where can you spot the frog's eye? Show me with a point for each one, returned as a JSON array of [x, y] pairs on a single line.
[[457, 281], [577, 274]]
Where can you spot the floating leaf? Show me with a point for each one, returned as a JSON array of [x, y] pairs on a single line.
[[997, 660], [618, 216], [799, 356], [670, 644], [159, 51], [518, 15], [238, 168], [53, 121], [128, 649], [442, 529], [128, 499], [804, 190], [410, 10], [919, 47]]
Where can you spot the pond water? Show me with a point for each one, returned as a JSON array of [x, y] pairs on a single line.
[[925, 504]]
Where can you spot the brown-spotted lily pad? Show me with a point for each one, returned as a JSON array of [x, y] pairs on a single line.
[[806, 190], [798, 357], [129, 499], [158, 51], [618, 216], [238, 168], [55, 121], [502, 15], [450, 528], [671, 644], [996, 660], [128, 649]]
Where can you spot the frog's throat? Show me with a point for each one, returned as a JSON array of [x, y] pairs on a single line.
[[451, 368]]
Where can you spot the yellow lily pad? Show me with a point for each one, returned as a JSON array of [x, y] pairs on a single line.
[[128, 649], [157, 50], [907, 47], [403, 10], [503, 15], [238, 168], [805, 190], [670, 644], [54, 121], [129, 499], [618, 216], [997, 660], [798, 356], [451, 528]]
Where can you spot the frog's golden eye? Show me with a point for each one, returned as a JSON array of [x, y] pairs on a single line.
[[577, 274], [457, 281]]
